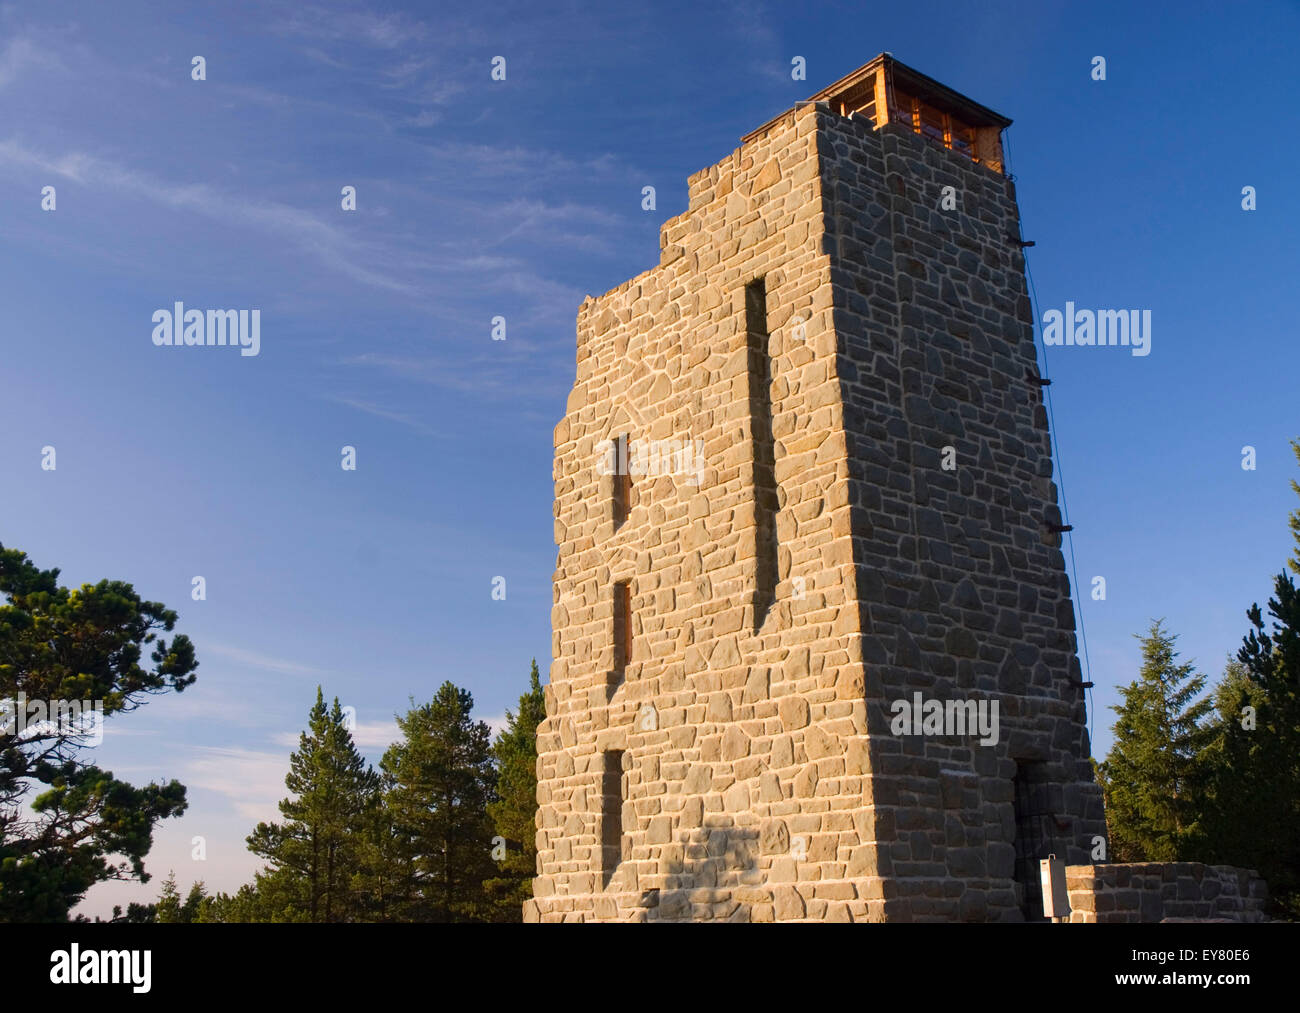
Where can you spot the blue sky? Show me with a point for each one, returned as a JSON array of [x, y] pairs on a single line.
[[478, 198]]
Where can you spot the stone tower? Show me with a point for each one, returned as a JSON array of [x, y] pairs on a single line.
[[804, 479]]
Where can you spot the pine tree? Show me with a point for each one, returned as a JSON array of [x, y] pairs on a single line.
[[1293, 521], [65, 824], [245, 905], [313, 853], [1253, 805], [1237, 782], [442, 779], [136, 914], [382, 883], [1252, 814], [168, 911], [1152, 776], [514, 814], [193, 902]]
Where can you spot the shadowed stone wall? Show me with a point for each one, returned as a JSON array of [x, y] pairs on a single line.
[[960, 579], [1155, 891]]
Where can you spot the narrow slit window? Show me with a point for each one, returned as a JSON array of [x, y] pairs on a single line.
[[621, 452], [612, 797], [760, 418], [622, 628]]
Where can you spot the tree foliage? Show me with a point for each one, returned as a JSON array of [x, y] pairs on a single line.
[[170, 909], [514, 814], [66, 824], [1252, 808], [314, 852], [1253, 798], [1152, 774], [441, 779]]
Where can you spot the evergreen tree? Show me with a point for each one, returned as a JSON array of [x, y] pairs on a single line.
[[514, 814], [136, 914], [244, 906], [383, 882], [313, 853], [168, 911], [193, 903], [441, 781], [170, 908], [1152, 776], [1253, 804], [1252, 816], [61, 819], [213, 909], [1293, 521]]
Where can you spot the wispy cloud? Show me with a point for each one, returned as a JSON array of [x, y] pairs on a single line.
[[383, 259], [367, 28], [483, 160], [398, 53], [320, 56], [499, 373], [254, 659], [424, 118], [21, 54], [532, 215], [333, 245], [218, 706], [751, 23], [369, 736], [251, 779], [401, 418]]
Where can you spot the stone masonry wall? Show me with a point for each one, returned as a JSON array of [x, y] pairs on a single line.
[[761, 778], [736, 791], [961, 584], [1154, 891]]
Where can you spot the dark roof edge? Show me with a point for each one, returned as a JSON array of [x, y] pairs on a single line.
[[946, 94], [977, 115]]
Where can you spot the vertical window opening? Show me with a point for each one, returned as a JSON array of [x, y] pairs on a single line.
[[760, 418], [612, 797], [622, 630], [1031, 847], [622, 474]]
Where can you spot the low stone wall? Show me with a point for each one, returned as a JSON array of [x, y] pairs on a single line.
[[1165, 891]]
